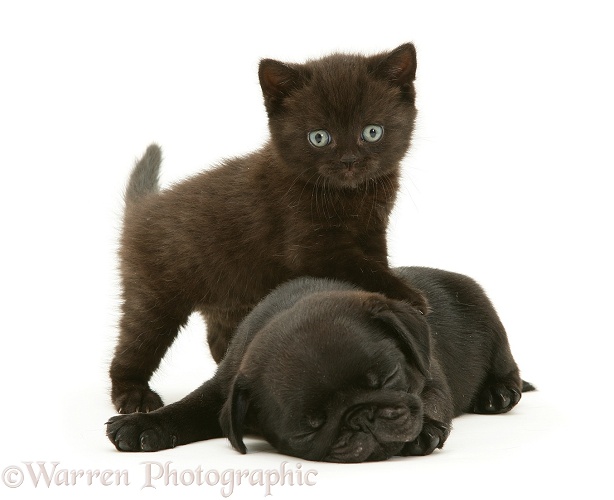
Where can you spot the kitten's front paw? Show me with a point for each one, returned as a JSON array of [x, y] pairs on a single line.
[[135, 398], [497, 397], [140, 432], [433, 435], [417, 300]]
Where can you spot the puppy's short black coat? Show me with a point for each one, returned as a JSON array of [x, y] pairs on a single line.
[[326, 371]]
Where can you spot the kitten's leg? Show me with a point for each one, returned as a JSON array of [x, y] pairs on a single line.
[[336, 254], [375, 249], [438, 412], [387, 283], [194, 418], [221, 326], [502, 388], [370, 275], [146, 333]]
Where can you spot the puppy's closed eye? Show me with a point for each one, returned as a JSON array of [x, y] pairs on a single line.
[[392, 377], [372, 380], [376, 381], [312, 423], [309, 432], [315, 421]]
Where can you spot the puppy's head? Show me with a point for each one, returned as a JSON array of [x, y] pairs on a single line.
[[335, 378]]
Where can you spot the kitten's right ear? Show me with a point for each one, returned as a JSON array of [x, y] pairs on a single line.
[[277, 80], [398, 67]]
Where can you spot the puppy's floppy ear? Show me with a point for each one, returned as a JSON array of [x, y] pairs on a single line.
[[406, 325], [234, 413]]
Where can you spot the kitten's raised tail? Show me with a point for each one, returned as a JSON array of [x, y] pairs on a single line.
[[145, 174]]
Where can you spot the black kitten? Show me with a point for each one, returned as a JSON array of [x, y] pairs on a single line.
[[314, 201]]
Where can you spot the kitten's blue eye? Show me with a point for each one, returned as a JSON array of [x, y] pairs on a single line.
[[372, 133], [319, 138]]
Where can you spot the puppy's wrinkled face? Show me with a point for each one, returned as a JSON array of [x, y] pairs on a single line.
[[336, 378]]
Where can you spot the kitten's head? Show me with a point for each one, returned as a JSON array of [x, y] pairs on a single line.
[[342, 120]]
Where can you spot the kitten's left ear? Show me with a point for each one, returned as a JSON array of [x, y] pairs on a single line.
[[398, 66], [277, 80]]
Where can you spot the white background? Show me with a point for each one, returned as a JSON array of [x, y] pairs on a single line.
[[509, 181]]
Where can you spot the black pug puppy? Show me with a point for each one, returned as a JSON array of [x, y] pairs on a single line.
[[326, 371]]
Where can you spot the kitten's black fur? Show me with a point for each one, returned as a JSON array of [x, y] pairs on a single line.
[[314, 201]]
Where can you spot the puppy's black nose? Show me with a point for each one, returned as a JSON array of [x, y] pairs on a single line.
[[360, 418]]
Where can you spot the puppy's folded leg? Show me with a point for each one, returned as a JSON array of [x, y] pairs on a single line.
[[502, 388], [194, 418], [498, 394], [438, 413], [433, 435]]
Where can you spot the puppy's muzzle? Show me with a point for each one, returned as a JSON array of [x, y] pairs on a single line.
[[376, 430], [363, 417]]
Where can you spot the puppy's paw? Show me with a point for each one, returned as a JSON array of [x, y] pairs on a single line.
[[497, 397], [432, 436], [136, 398], [140, 432]]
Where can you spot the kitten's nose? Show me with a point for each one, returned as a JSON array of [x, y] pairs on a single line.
[[349, 160]]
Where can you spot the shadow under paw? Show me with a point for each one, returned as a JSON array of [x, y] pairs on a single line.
[[140, 432]]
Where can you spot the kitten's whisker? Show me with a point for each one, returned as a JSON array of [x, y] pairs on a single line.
[[338, 200], [314, 196], [374, 198], [409, 192], [364, 197], [324, 199], [393, 189], [307, 183], [292, 185]]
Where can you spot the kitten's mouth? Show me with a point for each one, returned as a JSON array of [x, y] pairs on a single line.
[[345, 176]]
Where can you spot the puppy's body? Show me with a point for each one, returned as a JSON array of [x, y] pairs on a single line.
[[314, 201], [327, 371]]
